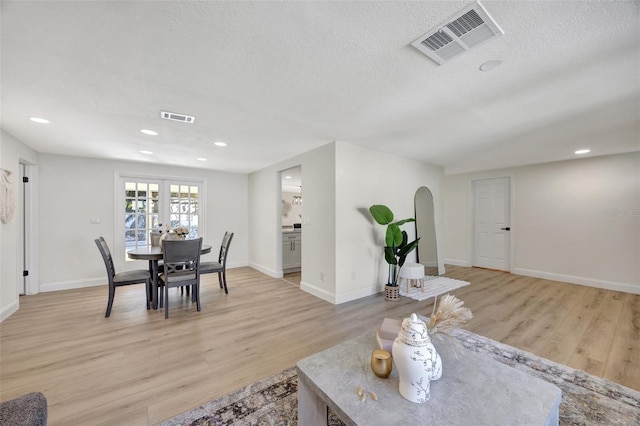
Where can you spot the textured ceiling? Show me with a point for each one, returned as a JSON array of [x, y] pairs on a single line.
[[275, 79]]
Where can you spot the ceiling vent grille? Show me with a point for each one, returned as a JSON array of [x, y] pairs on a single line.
[[177, 117], [469, 28]]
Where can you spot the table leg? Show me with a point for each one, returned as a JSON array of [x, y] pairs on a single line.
[[312, 411], [153, 268]]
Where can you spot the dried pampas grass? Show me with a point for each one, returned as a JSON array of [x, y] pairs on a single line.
[[448, 314]]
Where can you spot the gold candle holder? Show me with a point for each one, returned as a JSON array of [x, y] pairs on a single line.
[[381, 363]]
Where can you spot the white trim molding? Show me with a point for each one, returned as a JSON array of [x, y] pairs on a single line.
[[590, 282], [8, 310], [74, 284], [94, 282], [457, 262], [318, 292], [267, 271]]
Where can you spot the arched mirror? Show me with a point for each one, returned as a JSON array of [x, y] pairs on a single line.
[[427, 250]]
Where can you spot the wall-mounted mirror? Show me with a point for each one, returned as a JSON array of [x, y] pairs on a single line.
[[427, 250]]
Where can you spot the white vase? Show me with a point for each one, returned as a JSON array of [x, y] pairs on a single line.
[[416, 359]]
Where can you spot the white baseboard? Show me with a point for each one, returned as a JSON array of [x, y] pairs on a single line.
[[358, 294], [590, 282], [341, 298], [231, 265], [92, 282], [7, 311], [272, 273], [318, 292], [70, 285], [456, 262]]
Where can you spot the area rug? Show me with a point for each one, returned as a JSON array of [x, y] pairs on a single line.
[[433, 286], [586, 399]]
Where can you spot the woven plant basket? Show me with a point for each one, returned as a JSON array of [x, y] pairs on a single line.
[[392, 293]]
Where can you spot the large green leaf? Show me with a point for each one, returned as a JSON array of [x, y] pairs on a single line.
[[393, 238], [405, 250], [390, 256], [381, 214]]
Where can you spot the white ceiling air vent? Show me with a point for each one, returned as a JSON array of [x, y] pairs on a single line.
[[177, 117], [467, 29]]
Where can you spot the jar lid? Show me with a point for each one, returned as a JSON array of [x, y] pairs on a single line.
[[414, 332]]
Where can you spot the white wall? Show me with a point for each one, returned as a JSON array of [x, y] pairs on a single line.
[[318, 238], [363, 178], [74, 189], [342, 256], [12, 152], [576, 221]]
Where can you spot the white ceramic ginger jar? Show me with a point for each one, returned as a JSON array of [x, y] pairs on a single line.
[[416, 359]]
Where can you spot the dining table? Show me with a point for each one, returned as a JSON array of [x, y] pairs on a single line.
[[154, 254]]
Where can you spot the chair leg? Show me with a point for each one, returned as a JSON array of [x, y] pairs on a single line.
[[220, 279], [112, 293], [166, 302], [196, 293], [224, 280], [148, 290]]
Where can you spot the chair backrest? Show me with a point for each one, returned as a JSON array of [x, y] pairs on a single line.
[[224, 248], [106, 256], [181, 260]]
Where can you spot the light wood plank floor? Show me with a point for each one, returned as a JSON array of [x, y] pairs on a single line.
[[136, 368]]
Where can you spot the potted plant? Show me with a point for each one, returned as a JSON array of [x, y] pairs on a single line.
[[396, 247]]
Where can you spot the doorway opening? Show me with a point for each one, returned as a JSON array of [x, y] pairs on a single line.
[[291, 224]]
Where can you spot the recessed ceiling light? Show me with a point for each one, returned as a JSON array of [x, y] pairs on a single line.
[[490, 65], [39, 120], [287, 177], [582, 151], [144, 151], [220, 144], [149, 132], [201, 159]]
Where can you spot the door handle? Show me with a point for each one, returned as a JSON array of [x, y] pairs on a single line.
[[508, 228]]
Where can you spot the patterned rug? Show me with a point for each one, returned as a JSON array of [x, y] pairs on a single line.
[[433, 286], [586, 399]]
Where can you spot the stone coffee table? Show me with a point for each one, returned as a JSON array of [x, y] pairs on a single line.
[[474, 389]]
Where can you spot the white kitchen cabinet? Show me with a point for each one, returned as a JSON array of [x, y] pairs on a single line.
[[291, 251]]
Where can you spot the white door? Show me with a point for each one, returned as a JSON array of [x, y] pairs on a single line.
[[21, 215], [491, 223]]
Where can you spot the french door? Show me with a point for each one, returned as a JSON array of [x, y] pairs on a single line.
[[153, 204]]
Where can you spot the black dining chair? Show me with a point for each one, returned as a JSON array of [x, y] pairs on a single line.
[[221, 265], [137, 276], [181, 268]]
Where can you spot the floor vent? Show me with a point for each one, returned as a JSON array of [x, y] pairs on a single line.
[[469, 28], [177, 117]]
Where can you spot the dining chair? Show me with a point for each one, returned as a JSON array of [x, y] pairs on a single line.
[[137, 276], [181, 268], [221, 265]]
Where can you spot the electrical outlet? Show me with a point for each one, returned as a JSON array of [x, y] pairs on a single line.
[[94, 220]]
